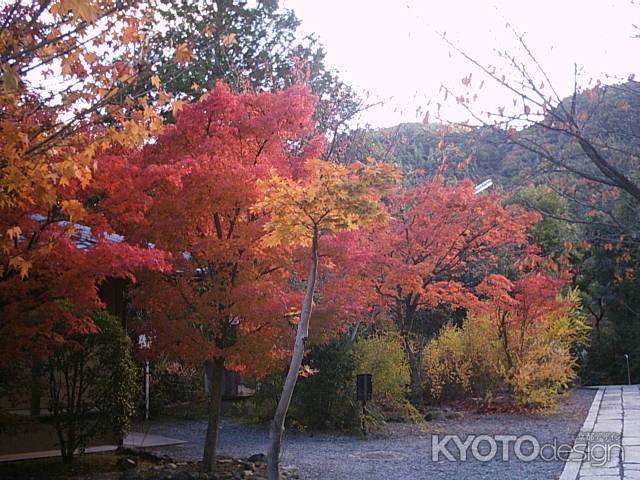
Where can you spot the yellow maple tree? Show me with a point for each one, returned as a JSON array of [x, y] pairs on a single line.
[[330, 199]]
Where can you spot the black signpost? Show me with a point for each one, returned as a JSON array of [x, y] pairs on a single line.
[[364, 393]]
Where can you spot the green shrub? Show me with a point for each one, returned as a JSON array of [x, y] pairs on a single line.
[[262, 405], [174, 382], [93, 384], [326, 398]]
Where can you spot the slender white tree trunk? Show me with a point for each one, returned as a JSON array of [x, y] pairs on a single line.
[[277, 426]]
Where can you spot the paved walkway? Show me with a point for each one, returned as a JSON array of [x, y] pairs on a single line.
[[134, 439], [608, 445]]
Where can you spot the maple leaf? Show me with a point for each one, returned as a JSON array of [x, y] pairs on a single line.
[[155, 81], [21, 265], [73, 209], [229, 39], [10, 79], [183, 53], [307, 371], [14, 232], [176, 107], [86, 10]]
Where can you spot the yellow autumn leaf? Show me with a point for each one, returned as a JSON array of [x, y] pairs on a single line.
[[183, 53], [10, 79], [67, 63], [229, 39], [176, 107], [84, 9], [73, 209], [90, 57], [155, 81], [13, 232], [21, 265]]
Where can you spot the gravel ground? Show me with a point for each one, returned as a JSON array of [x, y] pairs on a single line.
[[403, 452]]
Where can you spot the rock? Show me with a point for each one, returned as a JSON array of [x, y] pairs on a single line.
[[290, 473], [143, 454], [454, 415], [246, 474], [126, 463], [171, 465], [257, 458], [434, 415]]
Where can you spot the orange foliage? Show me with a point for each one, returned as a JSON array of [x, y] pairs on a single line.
[[440, 238], [190, 193], [50, 134]]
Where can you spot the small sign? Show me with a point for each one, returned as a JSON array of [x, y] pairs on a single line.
[[483, 186], [144, 342], [364, 387]]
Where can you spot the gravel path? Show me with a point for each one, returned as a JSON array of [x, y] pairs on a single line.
[[403, 452]]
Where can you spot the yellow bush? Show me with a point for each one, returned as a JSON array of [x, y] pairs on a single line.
[[544, 362], [463, 361], [382, 355], [532, 363]]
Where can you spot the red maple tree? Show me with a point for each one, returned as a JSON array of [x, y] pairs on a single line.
[[190, 193], [441, 241]]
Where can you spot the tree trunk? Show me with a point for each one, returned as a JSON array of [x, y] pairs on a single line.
[[215, 372], [36, 389], [277, 427], [67, 456], [415, 358]]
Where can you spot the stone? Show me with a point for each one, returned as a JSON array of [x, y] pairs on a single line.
[[257, 458], [126, 463], [134, 452], [432, 415], [290, 473], [454, 415]]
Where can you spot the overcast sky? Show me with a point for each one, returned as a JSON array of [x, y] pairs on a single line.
[[391, 48]]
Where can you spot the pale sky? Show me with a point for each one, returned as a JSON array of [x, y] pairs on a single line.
[[390, 48]]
